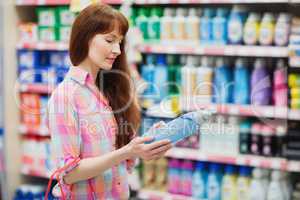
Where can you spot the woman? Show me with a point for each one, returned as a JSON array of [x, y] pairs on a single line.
[[93, 115]]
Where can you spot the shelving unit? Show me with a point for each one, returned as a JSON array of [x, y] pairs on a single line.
[[157, 195]]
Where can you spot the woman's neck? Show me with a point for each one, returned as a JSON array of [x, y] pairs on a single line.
[[90, 67]]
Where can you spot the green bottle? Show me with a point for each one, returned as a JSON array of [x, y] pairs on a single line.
[[142, 22], [173, 74], [154, 24]]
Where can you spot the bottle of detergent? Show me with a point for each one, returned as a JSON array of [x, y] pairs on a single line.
[[192, 26], [261, 87], [154, 24], [282, 29], [245, 137], [188, 77], [161, 171], [206, 26], [199, 181], [204, 77], [148, 72], [186, 178], [256, 139], [251, 29], [241, 83], [223, 82], [275, 190], [167, 25], [236, 24], [142, 22], [214, 182], [258, 191], [174, 176], [229, 184], [243, 183], [161, 76], [267, 29], [179, 31], [220, 26], [173, 74], [280, 88]]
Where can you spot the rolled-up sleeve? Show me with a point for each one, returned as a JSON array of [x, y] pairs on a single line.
[[65, 135]]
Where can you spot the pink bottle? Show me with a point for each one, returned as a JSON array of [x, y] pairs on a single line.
[[186, 177], [280, 88], [174, 176]]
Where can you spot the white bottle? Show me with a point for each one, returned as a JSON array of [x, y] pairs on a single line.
[[267, 29], [275, 190], [286, 185], [204, 78], [167, 25], [251, 29], [232, 136], [179, 21], [188, 77], [282, 29], [192, 26], [257, 186]]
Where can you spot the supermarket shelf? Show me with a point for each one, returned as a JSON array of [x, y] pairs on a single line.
[[36, 88], [35, 130], [294, 114], [59, 46], [157, 195], [246, 160], [217, 50], [192, 103], [55, 2], [143, 2]]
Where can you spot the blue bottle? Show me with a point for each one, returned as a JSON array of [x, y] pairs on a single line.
[[148, 71], [206, 26], [199, 181], [241, 93], [220, 26], [181, 127], [161, 77], [236, 22], [214, 182], [223, 82]]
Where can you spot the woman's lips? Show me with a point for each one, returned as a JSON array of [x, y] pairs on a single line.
[[111, 60]]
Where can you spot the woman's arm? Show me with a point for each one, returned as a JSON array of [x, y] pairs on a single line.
[[94, 166]]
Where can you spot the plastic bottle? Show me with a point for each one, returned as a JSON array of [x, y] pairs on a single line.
[[181, 127], [220, 27], [275, 190], [257, 187], [161, 171], [154, 24], [192, 26], [287, 187], [223, 82], [173, 74], [204, 77], [245, 137], [280, 137], [167, 25], [282, 29], [267, 29], [206, 26], [199, 181], [251, 29], [174, 176], [280, 88], [161, 76], [179, 24], [229, 184], [243, 183], [241, 83], [214, 182], [142, 22], [188, 77], [268, 141], [148, 174], [148, 72], [261, 91], [186, 178], [256, 139], [236, 23]]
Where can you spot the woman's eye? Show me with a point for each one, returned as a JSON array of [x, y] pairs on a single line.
[[109, 41]]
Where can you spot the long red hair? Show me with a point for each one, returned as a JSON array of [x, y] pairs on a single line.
[[100, 19]]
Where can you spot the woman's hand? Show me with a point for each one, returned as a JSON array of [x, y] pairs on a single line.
[[154, 150]]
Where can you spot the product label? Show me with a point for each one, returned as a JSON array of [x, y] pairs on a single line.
[[251, 33], [47, 18], [282, 35], [179, 30], [266, 34], [235, 31], [192, 31], [154, 30], [166, 31]]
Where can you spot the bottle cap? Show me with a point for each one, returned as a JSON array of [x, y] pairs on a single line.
[[200, 166], [280, 64], [230, 169], [187, 165], [259, 63], [168, 12], [180, 12], [214, 167], [257, 173], [245, 171], [256, 128], [161, 59], [174, 163], [192, 12]]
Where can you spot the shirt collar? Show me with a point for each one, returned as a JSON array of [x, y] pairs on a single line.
[[84, 78]]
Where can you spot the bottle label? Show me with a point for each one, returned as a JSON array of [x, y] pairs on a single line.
[[166, 32], [266, 34], [192, 31], [154, 30], [179, 30], [235, 31], [282, 35], [251, 33]]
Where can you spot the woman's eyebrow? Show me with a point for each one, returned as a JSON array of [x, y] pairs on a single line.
[[115, 36]]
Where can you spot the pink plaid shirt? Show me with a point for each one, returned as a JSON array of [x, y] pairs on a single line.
[[82, 125]]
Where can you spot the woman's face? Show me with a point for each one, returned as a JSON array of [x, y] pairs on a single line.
[[104, 49]]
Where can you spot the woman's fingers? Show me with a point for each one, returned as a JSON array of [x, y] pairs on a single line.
[[141, 140], [161, 149], [157, 144]]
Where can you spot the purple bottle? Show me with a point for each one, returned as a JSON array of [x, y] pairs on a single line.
[[186, 178], [174, 176], [261, 87]]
